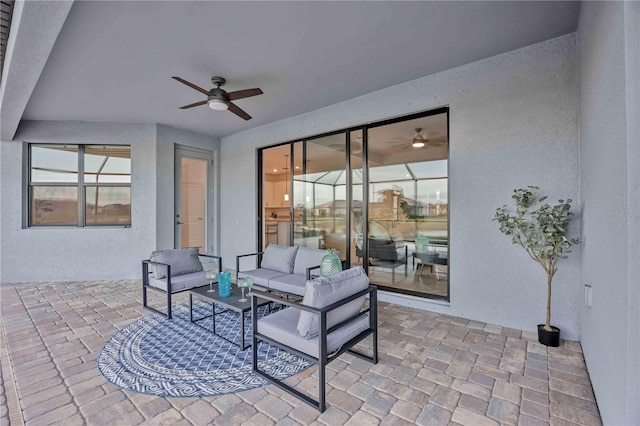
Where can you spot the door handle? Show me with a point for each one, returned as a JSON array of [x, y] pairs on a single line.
[[178, 223]]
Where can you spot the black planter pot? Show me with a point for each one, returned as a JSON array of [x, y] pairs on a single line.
[[549, 338]]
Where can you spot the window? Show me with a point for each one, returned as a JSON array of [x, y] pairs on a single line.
[[79, 185]]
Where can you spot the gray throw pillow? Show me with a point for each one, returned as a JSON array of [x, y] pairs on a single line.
[[182, 261], [306, 258], [325, 291], [279, 258]]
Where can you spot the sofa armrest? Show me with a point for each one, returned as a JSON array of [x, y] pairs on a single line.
[[285, 301], [258, 258], [372, 291], [311, 268], [145, 268]]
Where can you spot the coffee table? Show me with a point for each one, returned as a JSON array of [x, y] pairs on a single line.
[[230, 303]]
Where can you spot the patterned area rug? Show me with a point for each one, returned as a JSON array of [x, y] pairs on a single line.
[[175, 358]]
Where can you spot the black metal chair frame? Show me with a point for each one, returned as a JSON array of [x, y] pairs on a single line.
[[324, 357], [146, 286]]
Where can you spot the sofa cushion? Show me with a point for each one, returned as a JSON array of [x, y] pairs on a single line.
[[324, 291], [182, 261], [289, 283], [281, 327], [181, 282], [306, 258], [261, 276], [279, 258]]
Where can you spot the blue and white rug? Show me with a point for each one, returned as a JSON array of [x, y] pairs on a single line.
[[175, 358]]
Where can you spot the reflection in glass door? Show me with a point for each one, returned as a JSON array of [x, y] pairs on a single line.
[[408, 238], [276, 196], [357, 245], [319, 193]]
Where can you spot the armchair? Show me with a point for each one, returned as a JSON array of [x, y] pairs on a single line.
[[329, 321], [173, 271]]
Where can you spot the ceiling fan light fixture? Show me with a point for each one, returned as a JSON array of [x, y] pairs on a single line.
[[218, 104], [418, 140]]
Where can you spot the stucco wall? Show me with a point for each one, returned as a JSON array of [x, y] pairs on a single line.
[[609, 45], [513, 122], [59, 254]]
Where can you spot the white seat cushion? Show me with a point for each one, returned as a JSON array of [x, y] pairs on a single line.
[[289, 283], [181, 282], [281, 327], [261, 276]]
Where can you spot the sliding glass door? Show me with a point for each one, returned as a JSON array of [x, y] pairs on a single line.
[[378, 194]]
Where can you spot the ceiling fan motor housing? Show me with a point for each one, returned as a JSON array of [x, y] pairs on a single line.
[[217, 93]]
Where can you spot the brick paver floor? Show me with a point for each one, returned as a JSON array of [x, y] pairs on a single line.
[[433, 369]]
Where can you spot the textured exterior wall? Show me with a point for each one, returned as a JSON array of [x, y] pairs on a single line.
[[513, 122], [62, 254], [608, 63]]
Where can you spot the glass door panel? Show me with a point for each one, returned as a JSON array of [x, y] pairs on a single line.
[[408, 205], [357, 218], [276, 196], [319, 193]]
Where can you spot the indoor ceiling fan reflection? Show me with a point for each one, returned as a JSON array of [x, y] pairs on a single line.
[[419, 141]]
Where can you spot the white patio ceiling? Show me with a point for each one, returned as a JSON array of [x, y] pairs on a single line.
[[113, 61]]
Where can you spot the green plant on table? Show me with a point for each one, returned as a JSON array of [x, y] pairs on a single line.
[[539, 228]]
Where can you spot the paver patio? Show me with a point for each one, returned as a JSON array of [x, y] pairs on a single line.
[[433, 369]]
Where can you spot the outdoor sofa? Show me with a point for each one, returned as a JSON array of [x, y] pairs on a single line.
[[283, 268]]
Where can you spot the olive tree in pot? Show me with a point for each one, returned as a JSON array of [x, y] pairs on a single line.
[[541, 230]]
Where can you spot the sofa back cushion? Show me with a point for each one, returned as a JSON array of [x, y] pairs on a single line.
[[279, 258], [324, 291], [182, 261], [306, 258]]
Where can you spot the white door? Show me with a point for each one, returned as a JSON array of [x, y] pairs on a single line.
[[193, 214]]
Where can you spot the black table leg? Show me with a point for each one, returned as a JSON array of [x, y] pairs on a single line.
[[190, 307]]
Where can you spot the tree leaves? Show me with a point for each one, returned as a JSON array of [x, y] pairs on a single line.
[[538, 227]]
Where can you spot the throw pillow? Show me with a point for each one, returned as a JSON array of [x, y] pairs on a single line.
[[279, 258], [306, 258], [182, 261]]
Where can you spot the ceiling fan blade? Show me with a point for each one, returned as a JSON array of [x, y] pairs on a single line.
[[238, 111], [194, 105], [241, 94], [193, 86]]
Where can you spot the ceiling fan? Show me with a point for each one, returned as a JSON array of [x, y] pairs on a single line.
[[419, 141], [219, 99]]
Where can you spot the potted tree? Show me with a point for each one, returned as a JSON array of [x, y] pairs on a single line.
[[541, 230]]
